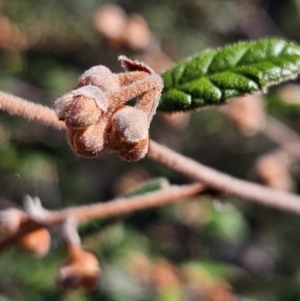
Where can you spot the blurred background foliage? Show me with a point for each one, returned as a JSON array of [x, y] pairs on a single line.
[[211, 248]]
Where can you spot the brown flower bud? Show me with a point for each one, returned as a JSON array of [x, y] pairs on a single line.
[[130, 124], [37, 242], [82, 107], [10, 220], [88, 142], [101, 77], [82, 269], [129, 133], [133, 151], [84, 112]]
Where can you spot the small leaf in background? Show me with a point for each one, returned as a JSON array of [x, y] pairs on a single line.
[[8, 156], [149, 186], [214, 76], [117, 240]]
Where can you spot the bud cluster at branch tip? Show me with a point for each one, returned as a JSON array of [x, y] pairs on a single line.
[[98, 117]]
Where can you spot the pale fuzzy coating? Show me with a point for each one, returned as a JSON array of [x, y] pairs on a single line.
[[83, 113], [133, 151], [148, 102], [63, 104], [88, 142], [95, 93], [147, 89], [131, 124], [101, 77]]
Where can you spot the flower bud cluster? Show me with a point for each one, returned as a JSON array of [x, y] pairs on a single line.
[[98, 118]]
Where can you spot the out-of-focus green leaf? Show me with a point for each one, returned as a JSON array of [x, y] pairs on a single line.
[[214, 76], [117, 240], [8, 156], [211, 269], [149, 186], [227, 223]]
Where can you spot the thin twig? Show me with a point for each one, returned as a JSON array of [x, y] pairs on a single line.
[[86, 213], [126, 206], [222, 182], [29, 110]]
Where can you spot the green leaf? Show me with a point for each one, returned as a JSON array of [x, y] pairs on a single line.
[[227, 223], [148, 186], [214, 76]]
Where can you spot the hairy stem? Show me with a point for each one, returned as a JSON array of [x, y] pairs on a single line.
[[222, 182], [83, 214], [125, 206], [29, 110]]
